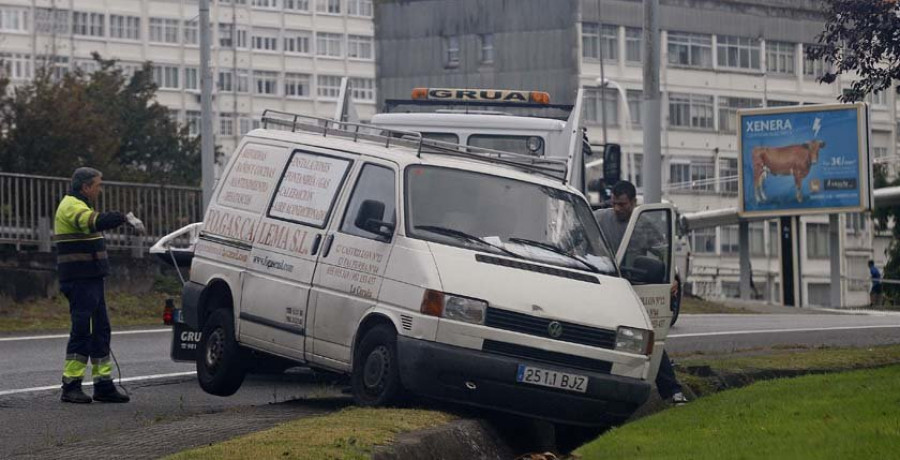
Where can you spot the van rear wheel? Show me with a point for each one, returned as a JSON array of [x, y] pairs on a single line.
[[375, 377], [220, 365]]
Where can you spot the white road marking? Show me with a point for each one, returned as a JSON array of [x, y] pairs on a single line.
[[767, 331], [66, 336], [87, 384]]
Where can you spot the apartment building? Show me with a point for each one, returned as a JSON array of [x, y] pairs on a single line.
[[717, 56], [266, 54]]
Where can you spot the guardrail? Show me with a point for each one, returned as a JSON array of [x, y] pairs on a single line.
[[28, 207]]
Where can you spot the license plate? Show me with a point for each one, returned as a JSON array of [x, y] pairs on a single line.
[[552, 379]]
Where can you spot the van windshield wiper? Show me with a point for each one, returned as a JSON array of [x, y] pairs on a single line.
[[464, 236], [556, 250]]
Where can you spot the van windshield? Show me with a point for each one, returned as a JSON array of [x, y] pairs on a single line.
[[504, 216]]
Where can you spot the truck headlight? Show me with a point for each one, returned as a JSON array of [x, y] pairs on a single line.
[[466, 309], [634, 340]]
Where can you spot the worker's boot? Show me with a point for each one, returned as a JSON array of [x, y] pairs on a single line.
[[72, 393], [106, 391]]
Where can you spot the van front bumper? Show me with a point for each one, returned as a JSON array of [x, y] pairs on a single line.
[[447, 372]]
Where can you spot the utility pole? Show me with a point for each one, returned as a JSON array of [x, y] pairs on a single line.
[[206, 133], [651, 107], [602, 73]]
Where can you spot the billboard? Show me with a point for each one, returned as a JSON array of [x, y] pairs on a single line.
[[810, 159]]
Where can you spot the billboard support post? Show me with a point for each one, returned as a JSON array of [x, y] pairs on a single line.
[[834, 243], [744, 251]]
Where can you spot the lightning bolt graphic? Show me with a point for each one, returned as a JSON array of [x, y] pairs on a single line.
[[817, 125]]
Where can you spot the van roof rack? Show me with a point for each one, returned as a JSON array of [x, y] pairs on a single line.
[[552, 168]]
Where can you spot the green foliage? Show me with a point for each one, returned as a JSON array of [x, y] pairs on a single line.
[[849, 415], [883, 216], [860, 37], [105, 120]]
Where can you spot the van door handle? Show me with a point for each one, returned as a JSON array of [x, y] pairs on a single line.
[[327, 247], [315, 245]]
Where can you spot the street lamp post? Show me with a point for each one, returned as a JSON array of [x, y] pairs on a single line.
[[626, 135]]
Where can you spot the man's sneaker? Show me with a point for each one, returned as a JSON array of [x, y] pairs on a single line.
[[72, 393], [106, 391], [679, 399]]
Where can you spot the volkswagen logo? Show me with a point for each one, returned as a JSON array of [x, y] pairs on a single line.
[[555, 329]]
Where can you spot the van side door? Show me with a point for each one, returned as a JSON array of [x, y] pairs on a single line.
[[286, 245], [646, 259], [352, 262]]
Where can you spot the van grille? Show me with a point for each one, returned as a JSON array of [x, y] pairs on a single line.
[[533, 325], [544, 356]]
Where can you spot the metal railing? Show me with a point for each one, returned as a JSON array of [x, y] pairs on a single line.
[[28, 207]]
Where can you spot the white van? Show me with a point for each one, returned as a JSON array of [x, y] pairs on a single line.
[[456, 273]]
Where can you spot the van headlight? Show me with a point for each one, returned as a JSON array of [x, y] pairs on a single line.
[[634, 340], [466, 309]]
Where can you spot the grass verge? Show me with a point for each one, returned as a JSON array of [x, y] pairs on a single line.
[[351, 433], [698, 305], [842, 415], [53, 314]]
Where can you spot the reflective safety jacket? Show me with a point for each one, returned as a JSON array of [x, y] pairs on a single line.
[[80, 248]]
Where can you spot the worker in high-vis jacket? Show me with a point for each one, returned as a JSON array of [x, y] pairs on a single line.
[[82, 262]]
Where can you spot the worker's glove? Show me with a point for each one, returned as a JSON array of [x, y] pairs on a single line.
[[135, 223]]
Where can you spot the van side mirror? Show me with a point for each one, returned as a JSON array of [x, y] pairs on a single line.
[[612, 163], [369, 218]]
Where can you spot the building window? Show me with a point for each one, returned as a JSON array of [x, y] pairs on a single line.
[[771, 103], [296, 5], [634, 41], [879, 152], [269, 4], [245, 125], [813, 68], [265, 82], [225, 82], [635, 99], [192, 120], [192, 78], [878, 99], [780, 57], [738, 53], [226, 124], [451, 51], [690, 111], [487, 48], [329, 44], [637, 170], [774, 239], [728, 175], [163, 30], [691, 50], [360, 47], [600, 40], [363, 89], [14, 19], [51, 21], [703, 241], [88, 24], [264, 40], [328, 86], [328, 6], [728, 107], [226, 35], [242, 81], [87, 66], [856, 222], [124, 27], [296, 41], [757, 239], [817, 241], [359, 8], [594, 106], [730, 243], [166, 76], [692, 174], [296, 85], [191, 33], [16, 66]]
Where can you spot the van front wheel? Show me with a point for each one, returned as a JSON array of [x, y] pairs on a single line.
[[221, 366], [376, 374]]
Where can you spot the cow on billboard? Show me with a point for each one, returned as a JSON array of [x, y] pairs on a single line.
[[791, 160]]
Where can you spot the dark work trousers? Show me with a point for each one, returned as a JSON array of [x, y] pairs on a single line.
[[91, 331], [666, 383]]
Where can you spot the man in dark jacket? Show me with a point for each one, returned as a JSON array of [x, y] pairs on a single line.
[[83, 263]]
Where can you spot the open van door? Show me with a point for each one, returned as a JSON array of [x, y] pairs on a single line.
[[646, 259]]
